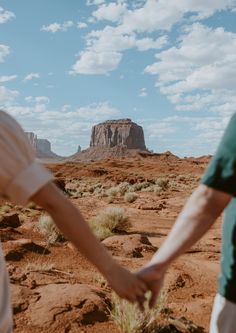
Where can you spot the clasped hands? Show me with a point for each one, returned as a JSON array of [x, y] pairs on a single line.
[[133, 286]]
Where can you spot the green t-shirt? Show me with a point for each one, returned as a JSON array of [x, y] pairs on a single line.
[[221, 175]]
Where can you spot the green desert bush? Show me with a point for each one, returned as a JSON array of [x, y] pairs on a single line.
[[130, 197], [130, 319], [47, 226], [109, 221]]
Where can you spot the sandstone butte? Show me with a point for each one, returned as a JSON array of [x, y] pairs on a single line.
[[122, 132]]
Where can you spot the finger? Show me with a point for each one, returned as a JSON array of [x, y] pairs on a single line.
[[141, 301], [143, 286], [153, 299]]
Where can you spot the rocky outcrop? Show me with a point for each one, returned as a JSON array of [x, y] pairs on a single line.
[[114, 133], [79, 149], [41, 146]]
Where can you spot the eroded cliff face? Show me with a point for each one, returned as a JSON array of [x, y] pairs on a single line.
[[114, 133], [41, 146]]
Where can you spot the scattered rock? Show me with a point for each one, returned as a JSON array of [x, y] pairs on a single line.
[[132, 246], [183, 280], [68, 303], [10, 220], [16, 249], [20, 298], [60, 183], [7, 234]]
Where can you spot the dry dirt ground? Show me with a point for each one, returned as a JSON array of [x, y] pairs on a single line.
[[55, 290]]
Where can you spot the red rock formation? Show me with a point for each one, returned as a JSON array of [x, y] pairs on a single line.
[[114, 133]]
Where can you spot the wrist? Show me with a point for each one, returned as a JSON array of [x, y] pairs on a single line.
[[109, 269], [158, 265]]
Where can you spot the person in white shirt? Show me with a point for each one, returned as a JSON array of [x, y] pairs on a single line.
[[22, 179]]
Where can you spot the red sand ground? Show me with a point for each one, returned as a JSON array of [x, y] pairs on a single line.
[[190, 284]]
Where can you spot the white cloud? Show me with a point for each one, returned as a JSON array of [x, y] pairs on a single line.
[[55, 27], [143, 92], [94, 2], [31, 76], [81, 25], [4, 51], [147, 43], [5, 15], [104, 50], [37, 99], [108, 44], [97, 112], [7, 96], [6, 78], [110, 12], [92, 62], [160, 129], [200, 72], [170, 12]]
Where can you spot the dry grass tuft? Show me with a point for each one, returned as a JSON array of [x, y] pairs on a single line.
[[112, 219], [130, 319], [130, 197], [47, 226]]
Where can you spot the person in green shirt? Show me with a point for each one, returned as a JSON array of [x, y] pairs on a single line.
[[217, 192]]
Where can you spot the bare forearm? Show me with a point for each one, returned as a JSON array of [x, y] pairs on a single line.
[[196, 218], [72, 224], [77, 230]]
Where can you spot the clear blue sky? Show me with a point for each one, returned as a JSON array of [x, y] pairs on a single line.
[[168, 65]]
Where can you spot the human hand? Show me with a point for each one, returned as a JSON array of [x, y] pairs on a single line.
[[127, 285], [153, 276]]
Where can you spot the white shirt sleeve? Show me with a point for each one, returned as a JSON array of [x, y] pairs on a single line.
[[21, 176]]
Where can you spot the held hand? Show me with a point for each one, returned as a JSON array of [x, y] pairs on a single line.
[[153, 278], [127, 285]]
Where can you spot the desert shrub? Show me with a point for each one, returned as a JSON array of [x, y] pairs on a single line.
[[110, 199], [146, 184], [174, 185], [101, 232], [112, 191], [5, 209], [181, 178], [99, 280], [111, 220], [130, 197], [130, 319], [137, 187], [157, 189], [123, 187], [47, 227], [31, 205], [163, 183]]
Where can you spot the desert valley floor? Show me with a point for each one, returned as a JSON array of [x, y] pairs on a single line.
[[55, 290]]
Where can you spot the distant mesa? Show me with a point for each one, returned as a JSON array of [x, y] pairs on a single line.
[[113, 138], [122, 132], [41, 146]]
